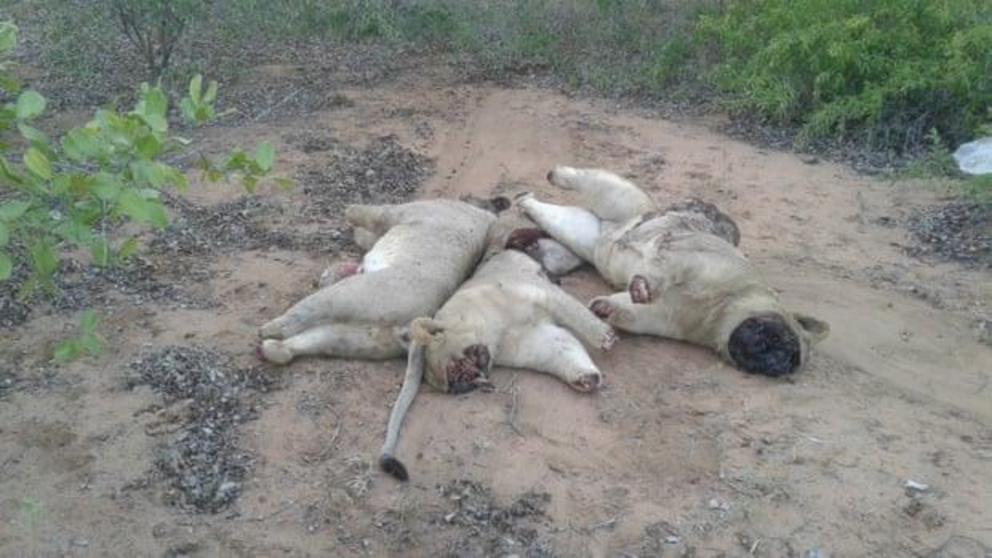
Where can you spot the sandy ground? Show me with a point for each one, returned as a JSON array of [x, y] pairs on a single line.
[[678, 455]]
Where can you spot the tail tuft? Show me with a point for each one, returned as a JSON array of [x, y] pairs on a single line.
[[394, 467]]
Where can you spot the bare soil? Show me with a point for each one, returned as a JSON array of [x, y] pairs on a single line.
[[678, 455]]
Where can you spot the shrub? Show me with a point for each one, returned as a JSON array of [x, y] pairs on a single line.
[[75, 192], [889, 71]]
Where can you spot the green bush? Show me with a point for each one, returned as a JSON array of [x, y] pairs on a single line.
[[889, 71], [75, 192]]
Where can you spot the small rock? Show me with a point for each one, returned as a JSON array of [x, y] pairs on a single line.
[[718, 505], [671, 539], [809, 159], [915, 487]]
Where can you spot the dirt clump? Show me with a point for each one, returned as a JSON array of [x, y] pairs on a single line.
[[224, 226], [203, 462], [382, 172], [79, 285], [959, 231], [494, 530]]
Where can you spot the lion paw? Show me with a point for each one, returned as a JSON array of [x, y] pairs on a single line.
[[640, 291], [588, 383], [275, 352], [525, 239], [601, 307], [609, 339]]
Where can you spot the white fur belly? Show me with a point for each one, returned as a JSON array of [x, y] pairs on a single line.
[[383, 254]]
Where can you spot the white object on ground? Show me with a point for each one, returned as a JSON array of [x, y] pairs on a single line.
[[975, 157]]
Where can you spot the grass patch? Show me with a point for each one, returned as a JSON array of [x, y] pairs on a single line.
[[883, 74]]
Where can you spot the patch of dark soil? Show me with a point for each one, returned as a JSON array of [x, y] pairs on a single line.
[[382, 172], [958, 231], [82, 286], [79, 285], [13, 310], [225, 227], [494, 530], [203, 463], [302, 77], [855, 151]]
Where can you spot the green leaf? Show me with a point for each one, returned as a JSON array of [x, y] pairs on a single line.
[[265, 156], [30, 104], [4, 235], [211, 94], [13, 209], [6, 266], [284, 183], [128, 248], [9, 83], [67, 350], [81, 144], [32, 134], [91, 343], [43, 258], [89, 321], [149, 147], [194, 88], [100, 250], [189, 110], [142, 210], [106, 187], [155, 102], [8, 36], [38, 164]]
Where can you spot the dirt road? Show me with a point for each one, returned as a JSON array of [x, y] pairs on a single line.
[[679, 455]]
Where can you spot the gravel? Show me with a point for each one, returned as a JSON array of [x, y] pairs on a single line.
[[959, 231], [494, 530], [203, 462], [382, 172]]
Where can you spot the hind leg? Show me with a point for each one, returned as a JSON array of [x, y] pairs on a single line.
[[576, 228], [608, 195], [553, 350], [653, 318], [337, 340], [355, 299]]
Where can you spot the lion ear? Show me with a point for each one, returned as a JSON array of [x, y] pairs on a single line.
[[422, 330], [817, 329]]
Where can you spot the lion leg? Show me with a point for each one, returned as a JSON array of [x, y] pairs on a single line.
[[621, 312], [336, 340], [576, 228], [606, 194], [571, 314], [553, 350], [355, 299]]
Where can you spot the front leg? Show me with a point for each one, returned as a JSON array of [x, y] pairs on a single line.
[[624, 314]]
